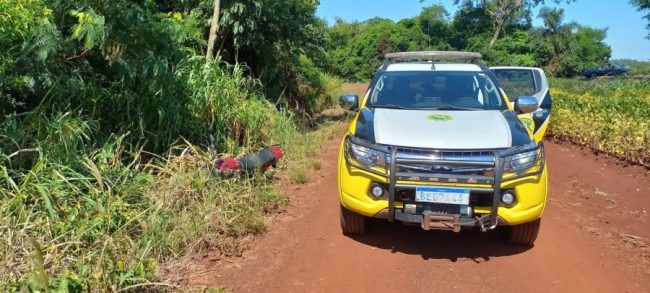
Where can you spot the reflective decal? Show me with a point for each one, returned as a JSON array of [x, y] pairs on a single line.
[[529, 123]]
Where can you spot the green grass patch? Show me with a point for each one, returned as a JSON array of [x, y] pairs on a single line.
[[298, 175]]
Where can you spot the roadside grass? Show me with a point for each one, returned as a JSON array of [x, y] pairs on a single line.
[[104, 219], [298, 175], [315, 165], [83, 209], [607, 115], [304, 154]]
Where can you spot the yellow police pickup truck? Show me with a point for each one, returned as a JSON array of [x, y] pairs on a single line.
[[444, 142]]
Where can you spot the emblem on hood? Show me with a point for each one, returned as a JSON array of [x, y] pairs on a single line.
[[440, 117]]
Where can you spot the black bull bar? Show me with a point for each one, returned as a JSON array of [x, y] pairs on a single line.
[[497, 162]]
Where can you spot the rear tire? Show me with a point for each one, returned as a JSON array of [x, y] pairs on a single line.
[[524, 234], [352, 223]]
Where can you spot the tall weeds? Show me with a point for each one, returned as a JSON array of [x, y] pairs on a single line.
[[86, 210], [105, 115], [229, 105], [107, 218]]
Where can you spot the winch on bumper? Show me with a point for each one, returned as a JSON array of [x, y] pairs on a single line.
[[487, 176]]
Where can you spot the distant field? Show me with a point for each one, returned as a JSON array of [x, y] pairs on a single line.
[[608, 115], [636, 67]]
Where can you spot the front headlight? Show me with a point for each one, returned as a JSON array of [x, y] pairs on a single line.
[[522, 160], [365, 154]]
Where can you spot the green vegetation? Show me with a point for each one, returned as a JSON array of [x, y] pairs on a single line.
[[502, 11], [104, 110], [305, 151], [357, 48], [608, 115], [83, 219]]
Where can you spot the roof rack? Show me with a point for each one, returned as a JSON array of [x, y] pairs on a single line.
[[432, 56]]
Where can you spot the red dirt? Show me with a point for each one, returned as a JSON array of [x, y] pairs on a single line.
[[593, 239]]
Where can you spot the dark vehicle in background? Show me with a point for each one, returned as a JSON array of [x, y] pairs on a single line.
[[609, 69]]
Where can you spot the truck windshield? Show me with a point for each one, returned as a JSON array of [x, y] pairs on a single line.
[[436, 90]]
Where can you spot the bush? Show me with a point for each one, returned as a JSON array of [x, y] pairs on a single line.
[[320, 89], [612, 116], [229, 105]]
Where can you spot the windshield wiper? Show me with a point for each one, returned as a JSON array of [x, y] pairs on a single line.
[[389, 106], [454, 108]]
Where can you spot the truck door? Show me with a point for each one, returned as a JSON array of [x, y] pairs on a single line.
[[528, 81]]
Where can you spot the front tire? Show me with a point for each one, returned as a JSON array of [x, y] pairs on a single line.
[[352, 223], [524, 234]]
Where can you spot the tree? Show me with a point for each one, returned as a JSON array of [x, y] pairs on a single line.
[[552, 18], [361, 54], [270, 36], [555, 30], [470, 26], [29, 39], [501, 11], [433, 22], [643, 5], [214, 28], [563, 49]]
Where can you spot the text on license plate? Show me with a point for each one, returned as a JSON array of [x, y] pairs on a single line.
[[442, 195]]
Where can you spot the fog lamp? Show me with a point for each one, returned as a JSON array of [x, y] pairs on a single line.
[[377, 190], [508, 197]]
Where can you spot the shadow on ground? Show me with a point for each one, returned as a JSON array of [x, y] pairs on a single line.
[[468, 244]]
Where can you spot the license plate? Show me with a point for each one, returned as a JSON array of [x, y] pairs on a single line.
[[446, 195]]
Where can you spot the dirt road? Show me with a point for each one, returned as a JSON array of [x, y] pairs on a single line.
[[593, 239]]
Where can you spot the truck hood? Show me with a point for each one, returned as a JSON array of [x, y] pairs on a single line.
[[462, 130]]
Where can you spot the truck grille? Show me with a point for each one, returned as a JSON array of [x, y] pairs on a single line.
[[445, 166]]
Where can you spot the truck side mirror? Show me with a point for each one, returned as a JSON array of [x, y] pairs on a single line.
[[349, 101], [526, 104]]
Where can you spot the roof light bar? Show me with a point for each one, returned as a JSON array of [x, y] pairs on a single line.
[[431, 56]]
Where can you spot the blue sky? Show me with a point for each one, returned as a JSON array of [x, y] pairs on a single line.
[[626, 34]]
